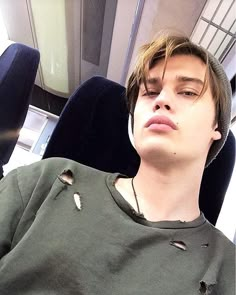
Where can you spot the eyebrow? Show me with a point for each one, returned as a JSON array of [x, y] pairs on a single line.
[[153, 81], [189, 79], [157, 81]]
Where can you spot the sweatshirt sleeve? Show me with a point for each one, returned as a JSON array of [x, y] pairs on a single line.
[[11, 210]]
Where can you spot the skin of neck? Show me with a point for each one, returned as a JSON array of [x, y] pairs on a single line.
[[169, 192]]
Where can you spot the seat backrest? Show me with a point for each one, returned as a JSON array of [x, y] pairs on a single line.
[[93, 130], [18, 68], [216, 178]]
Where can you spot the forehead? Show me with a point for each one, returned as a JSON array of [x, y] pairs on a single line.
[[178, 65]]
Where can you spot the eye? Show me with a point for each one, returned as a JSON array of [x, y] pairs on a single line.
[[188, 93], [151, 93]]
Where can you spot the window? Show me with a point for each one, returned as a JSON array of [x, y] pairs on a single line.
[[3, 31]]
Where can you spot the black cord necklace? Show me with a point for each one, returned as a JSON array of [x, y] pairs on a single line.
[[135, 195]]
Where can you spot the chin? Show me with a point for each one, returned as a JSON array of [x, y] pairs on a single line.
[[154, 146], [154, 152]]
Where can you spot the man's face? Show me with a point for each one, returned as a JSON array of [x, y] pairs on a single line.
[[170, 122]]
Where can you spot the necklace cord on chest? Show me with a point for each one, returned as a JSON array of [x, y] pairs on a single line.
[[135, 195]]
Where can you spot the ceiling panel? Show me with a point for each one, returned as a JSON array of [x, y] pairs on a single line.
[[222, 11], [210, 8], [199, 31], [220, 35], [215, 29], [93, 23], [233, 28], [223, 46], [230, 18], [208, 37]]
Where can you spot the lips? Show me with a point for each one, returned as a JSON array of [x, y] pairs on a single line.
[[161, 120]]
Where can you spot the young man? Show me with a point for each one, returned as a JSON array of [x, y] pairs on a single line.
[[69, 229]]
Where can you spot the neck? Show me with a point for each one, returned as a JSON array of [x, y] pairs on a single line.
[[168, 193]]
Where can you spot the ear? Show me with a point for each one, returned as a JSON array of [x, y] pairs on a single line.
[[216, 133]]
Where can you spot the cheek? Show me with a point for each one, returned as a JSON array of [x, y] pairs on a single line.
[[199, 117], [139, 121], [199, 130], [137, 124]]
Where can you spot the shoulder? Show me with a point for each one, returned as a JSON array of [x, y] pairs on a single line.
[[221, 247], [52, 167], [39, 177], [219, 238]]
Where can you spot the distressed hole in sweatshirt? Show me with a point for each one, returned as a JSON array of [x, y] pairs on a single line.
[[66, 177], [179, 244], [206, 289], [206, 245], [77, 200]]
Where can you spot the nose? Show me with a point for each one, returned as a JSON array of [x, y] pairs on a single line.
[[163, 101]]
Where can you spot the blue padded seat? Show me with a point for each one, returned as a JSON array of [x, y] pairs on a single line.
[[93, 128], [18, 68]]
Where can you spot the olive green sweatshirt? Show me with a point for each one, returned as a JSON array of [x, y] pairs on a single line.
[[65, 229]]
